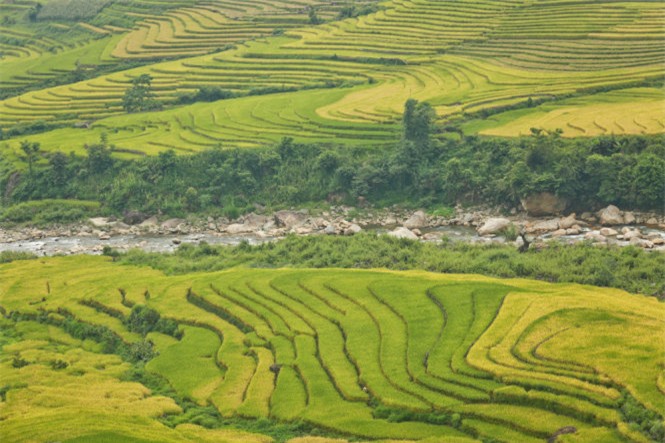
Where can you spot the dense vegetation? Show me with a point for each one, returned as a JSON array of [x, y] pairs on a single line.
[[217, 107], [630, 268], [353, 353], [589, 173]]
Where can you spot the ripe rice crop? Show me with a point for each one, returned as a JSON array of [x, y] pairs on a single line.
[[370, 354]]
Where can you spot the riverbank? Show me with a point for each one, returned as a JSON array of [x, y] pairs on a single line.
[[478, 225]]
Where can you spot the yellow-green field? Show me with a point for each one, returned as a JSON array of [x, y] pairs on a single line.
[[629, 111], [365, 354], [465, 58]]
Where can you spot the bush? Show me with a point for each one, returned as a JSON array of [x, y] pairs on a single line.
[[626, 268], [45, 212], [10, 256], [143, 320]]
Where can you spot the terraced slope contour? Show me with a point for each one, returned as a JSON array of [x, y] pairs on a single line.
[[466, 58], [367, 354]]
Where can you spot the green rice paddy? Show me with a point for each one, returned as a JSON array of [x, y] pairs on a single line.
[[362, 354]]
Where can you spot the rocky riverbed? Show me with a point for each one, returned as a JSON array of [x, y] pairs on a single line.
[[608, 226]]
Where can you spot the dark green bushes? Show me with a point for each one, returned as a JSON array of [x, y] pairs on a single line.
[[397, 415], [424, 169], [206, 94], [44, 212], [642, 419], [10, 256], [143, 320]]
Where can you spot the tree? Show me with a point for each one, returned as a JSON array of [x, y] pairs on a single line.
[[33, 14], [418, 122], [313, 18], [139, 97], [31, 150], [58, 163], [110, 252], [99, 158]]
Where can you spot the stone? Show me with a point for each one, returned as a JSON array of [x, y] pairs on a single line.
[[238, 228], [353, 229], [99, 222], [572, 231], [176, 241], [173, 223], [494, 225], [149, 222], [629, 235], [519, 242], [417, 220], [290, 219], [104, 236], [403, 232], [417, 231], [559, 233], [133, 217], [610, 215], [543, 203], [255, 220], [608, 232], [658, 241], [432, 236], [330, 230], [629, 218], [568, 222], [652, 221], [646, 244], [595, 236], [546, 225]]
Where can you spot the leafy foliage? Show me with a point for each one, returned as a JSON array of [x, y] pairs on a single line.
[[589, 173], [143, 320], [44, 212], [140, 97]]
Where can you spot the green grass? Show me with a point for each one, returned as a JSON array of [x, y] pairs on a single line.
[[452, 356]]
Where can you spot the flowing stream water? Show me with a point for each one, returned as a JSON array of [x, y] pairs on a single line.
[[168, 243]]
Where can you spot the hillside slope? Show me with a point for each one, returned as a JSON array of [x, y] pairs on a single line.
[[353, 75]]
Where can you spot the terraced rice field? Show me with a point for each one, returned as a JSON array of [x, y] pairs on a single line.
[[211, 26], [463, 57], [629, 111], [364, 354]]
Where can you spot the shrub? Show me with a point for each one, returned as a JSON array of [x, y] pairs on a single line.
[[44, 212]]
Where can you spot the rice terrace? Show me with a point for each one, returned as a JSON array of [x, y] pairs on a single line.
[[319, 221]]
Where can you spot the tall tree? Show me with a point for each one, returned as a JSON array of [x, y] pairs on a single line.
[[140, 97], [31, 150], [418, 121]]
